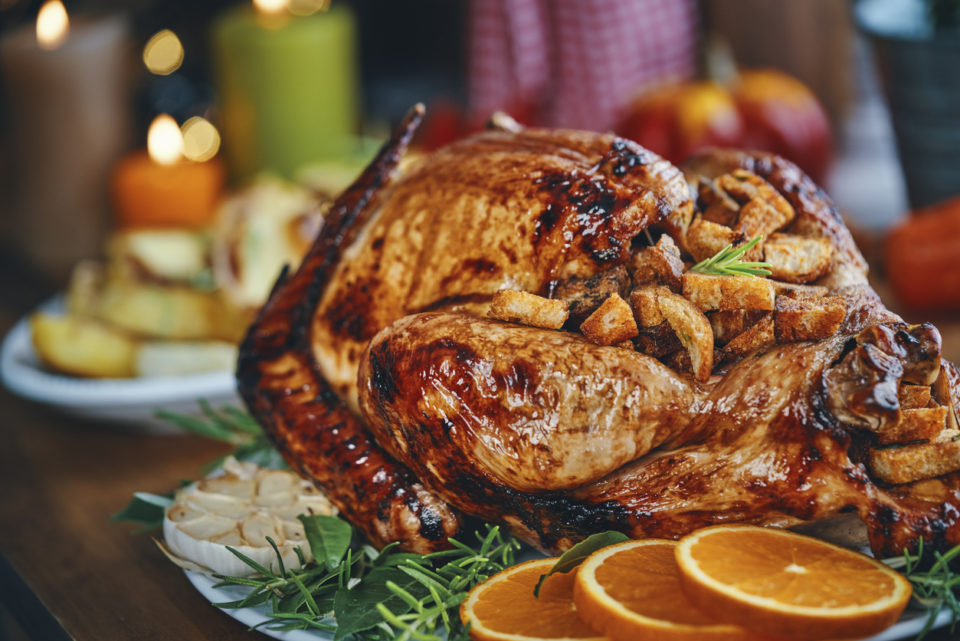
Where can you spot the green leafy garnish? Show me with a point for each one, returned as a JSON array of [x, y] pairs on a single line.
[[373, 595], [934, 586], [579, 552], [329, 538], [726, 262], [146, 510]]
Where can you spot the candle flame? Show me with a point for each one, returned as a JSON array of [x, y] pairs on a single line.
[[164, 140], [270, 6], [52, 24], [201, 140]]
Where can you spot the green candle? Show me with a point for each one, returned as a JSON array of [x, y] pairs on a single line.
[[288, 88]]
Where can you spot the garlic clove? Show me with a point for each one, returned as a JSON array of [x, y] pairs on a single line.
[[221, 504], [277, 499], [231, 538], [293, 531], [183, 512], [256, 528], [207, 526], [276, 481], [229, 485]]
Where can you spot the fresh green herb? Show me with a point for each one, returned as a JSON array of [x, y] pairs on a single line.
[[726, 262], [934, 586], [579, 552], [146, 510], [329, 538], [355, 590], [229, 425]]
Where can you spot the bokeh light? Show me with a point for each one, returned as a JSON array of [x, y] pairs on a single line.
[[163, 53], [53, 24], [164, 140], [270, 6], [201, 140], [307, 7]]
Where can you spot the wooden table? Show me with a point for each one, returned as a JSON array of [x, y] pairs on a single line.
[[66, 571]]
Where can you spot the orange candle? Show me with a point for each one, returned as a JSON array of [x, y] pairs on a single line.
[[159, 188]]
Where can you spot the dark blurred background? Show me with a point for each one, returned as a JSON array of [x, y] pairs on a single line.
[[597, 64]]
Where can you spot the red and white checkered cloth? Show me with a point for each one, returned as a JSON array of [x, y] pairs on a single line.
[[575, 63]]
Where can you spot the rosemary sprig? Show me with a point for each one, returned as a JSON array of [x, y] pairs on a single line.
[[726, 262], [934, 587], [374, 595]]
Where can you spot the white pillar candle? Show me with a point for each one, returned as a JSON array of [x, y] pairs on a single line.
[[69, 118]]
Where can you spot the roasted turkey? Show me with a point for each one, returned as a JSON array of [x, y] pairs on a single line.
[[379, 372]]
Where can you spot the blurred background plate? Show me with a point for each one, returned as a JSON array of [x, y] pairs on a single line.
[[125, 403]]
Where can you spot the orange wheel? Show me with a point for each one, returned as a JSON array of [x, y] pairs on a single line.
[[631, 592], [782, 583], [503, 607]]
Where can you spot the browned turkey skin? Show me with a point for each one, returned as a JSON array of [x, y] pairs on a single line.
[[541, 429]]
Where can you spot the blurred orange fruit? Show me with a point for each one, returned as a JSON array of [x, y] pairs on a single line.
[[503, 608], [786, 584], [631, 591]]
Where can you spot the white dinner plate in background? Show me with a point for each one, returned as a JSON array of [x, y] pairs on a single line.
[[128, 403]]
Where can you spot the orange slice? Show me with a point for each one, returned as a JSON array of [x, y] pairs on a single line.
[[503, 607], [781, 583], [631, 591]]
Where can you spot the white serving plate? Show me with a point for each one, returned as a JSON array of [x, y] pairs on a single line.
[[124, 403], [908, 627]]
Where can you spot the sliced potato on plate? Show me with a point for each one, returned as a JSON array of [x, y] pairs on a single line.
[[175, 358], [82, 347]]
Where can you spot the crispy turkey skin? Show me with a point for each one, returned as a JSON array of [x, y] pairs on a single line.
[[376, 372]]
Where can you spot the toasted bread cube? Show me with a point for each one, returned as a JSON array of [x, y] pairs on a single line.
[[628, 344], [611, 323], [584, 296], [764, 210], [658, 265], [758, 337], [942, 391], [728, 324], [797, 259], [907, 463], [658, 341], [646, 310], [515, 306], [693, 329], [915, 425], [717, 206], [804, 319], [705, 238], [799, 291], [914, 396], [711, 293]]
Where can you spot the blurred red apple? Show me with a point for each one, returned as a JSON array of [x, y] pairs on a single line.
[[765, 109], [677, 120], [783, 116]]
